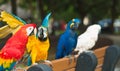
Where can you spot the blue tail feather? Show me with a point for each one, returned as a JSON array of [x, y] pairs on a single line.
[[1, 68], [29, 62], [12, 65], [8, 69]]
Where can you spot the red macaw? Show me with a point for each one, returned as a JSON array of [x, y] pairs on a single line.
[[14, 48]]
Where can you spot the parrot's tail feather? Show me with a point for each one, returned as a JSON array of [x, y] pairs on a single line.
[[6, 64], [1, 68], [29, 61]]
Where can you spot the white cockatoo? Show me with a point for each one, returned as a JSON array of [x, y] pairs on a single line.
[[88, 39]]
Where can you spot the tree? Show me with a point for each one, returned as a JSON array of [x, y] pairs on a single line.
[[113, 13], [14, 6]]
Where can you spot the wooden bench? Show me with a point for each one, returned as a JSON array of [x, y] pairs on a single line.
[[100, 55], [107, 57]]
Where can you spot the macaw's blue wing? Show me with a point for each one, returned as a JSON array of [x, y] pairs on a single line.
[[29, 62], [60, 48], [66, 44], [68, 39]]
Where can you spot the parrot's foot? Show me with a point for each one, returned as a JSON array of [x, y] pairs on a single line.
[[74, 53], [14, 69], [34, 64], [49, 63], [75, 57], [21, 69], [70, 58]]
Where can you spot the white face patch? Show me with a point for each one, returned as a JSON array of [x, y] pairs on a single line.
[[29, 30], [43, 31]]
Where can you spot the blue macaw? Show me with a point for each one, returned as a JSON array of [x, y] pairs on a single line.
[[68, 39]]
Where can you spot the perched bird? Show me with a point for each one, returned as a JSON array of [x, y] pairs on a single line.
[[14, 48], [12, 24], [88, 39], [68, 40], [38, 47]]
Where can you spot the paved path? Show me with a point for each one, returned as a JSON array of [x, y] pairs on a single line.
[[116, 41]]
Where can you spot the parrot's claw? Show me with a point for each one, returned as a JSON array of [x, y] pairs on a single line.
[[35, 64], [74, 52], [75, 58], [14, 69], [49, 63], [70, 58]]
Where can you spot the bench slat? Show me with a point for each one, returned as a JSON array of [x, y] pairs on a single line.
[[72, 69], [100, 62], [63, 64], [100, 52], [98, 69]]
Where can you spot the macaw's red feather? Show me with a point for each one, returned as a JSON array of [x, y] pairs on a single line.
[[15, 46], [10, 53]]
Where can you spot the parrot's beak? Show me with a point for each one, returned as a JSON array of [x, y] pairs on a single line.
[[35, 32]]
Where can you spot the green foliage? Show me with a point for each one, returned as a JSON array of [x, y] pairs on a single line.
[[66, 9], [3, 1]]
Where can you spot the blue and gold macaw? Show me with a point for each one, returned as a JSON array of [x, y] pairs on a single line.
[[68, 39], [38, 48]]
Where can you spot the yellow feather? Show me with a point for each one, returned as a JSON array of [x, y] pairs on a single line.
[[11, 21], [5, 62], [13, 24], [38, 50], [0, 19]]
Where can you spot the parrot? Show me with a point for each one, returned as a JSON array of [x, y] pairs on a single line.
[[15, 47], [68, 40], [12, 25], [88, 39], [38, 48]]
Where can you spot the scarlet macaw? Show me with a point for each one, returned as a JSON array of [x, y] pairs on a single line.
[[14, 48]]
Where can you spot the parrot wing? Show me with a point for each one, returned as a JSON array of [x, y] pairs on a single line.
[[12, 20], [13, 23], [6, 29]]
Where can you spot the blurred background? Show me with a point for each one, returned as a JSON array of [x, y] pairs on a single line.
[[103, 12]]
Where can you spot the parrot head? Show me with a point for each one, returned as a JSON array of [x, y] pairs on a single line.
[[29, 28], [43, 29], [96, 28], [73, 24]]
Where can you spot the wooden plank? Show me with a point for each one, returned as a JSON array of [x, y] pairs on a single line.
[[63, 64], [100, 52], [98, 69], [100, 61], [72, 69]]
